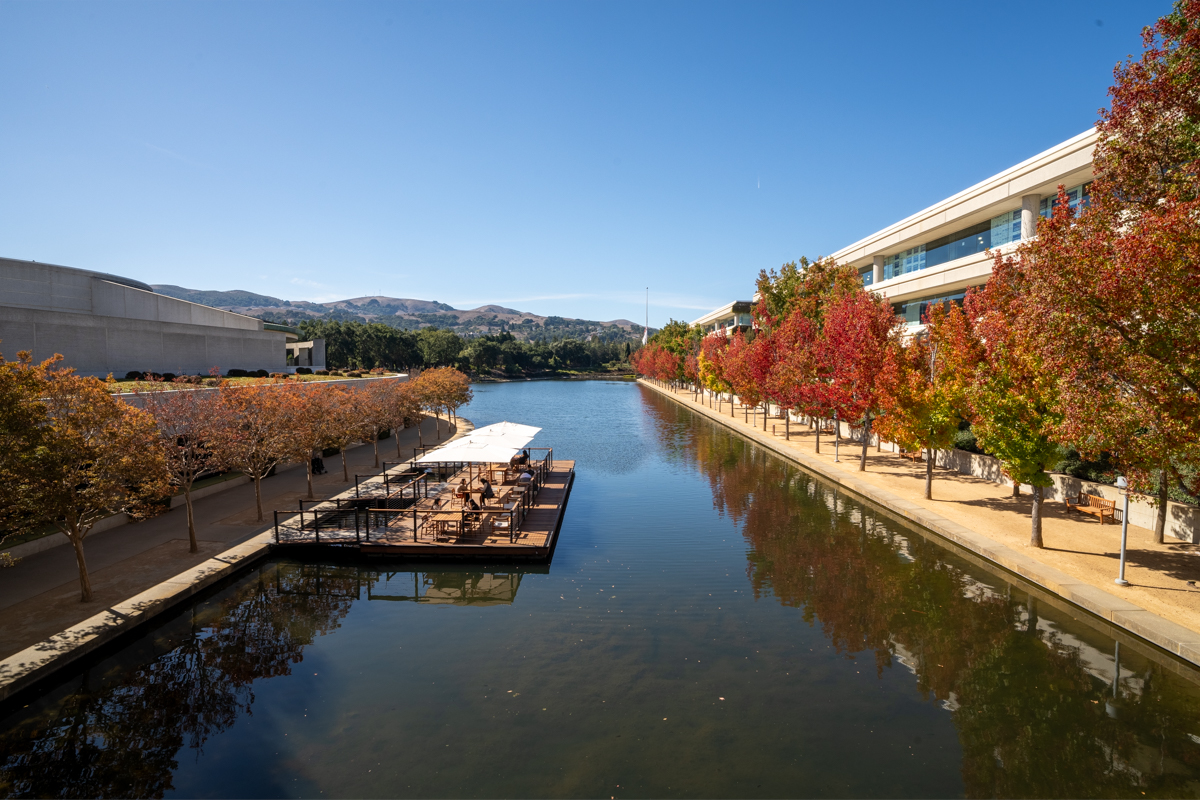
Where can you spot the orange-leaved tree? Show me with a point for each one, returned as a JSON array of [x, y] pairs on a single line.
[[189, 422], [102, 457], [23, 432], [919, 395], [255, 436]]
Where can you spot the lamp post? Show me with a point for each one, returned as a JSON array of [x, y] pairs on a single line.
[[837, 434], [1123, 485]]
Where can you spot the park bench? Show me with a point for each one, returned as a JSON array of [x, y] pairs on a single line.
[[1096, 506], [913, 455]]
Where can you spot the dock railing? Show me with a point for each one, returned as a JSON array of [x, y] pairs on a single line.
[[346, 524]]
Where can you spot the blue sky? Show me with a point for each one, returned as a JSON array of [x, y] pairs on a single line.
[[555, 157]]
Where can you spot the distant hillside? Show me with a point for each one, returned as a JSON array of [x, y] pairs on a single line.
[[407, 313]]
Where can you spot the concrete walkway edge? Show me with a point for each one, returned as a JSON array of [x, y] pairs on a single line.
[[37, 662], [1175, 639]]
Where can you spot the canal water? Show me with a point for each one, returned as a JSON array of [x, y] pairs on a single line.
[[715, 623]]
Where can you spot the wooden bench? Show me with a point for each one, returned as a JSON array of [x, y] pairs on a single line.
[[1096, 506], [913, 455]]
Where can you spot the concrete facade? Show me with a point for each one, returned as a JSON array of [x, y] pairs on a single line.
[[104, 324]]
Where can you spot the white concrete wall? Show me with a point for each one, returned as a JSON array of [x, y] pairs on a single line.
[[100, 325]]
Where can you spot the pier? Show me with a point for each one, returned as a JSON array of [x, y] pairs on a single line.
[[430, 509]]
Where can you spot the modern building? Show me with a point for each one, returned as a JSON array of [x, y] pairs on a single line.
[[728, 318], [935, 255], [105, 324]]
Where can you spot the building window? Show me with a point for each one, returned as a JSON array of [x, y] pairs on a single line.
[[913, 311], [910, 260], [867, 275], [999, 230], [1077, 196]]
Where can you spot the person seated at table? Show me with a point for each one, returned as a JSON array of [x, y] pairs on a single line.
[[461, 490], [524, 456], [526, 478], [487, 493], [473, 506]]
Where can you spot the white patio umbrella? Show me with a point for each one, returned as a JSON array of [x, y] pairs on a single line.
[[514, 429], [486, 450], [510, 433]]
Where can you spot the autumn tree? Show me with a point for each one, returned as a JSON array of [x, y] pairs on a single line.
[[401, 409], [24, 427], [1111, 288], [346, 420], [859, 330], [255, 436], [189, 421], [1011, 397], [307, 420], [102, 457], [919, 394]]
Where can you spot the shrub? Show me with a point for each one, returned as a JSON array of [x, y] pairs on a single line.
[[304, 371], [168, 376], [261, 373], [354, 374], [279, 375], [236, 373], [133, 375], [965, 440], [212, 381], [321, 372]]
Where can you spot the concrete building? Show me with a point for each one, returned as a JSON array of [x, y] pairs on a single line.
[[104, 324], [728, 318], [937, 254]]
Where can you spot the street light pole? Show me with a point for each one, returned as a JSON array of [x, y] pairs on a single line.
[[1123, 485], [837, 434]]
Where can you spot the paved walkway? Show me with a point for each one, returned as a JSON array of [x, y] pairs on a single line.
[[40, 596], [1075, 544]]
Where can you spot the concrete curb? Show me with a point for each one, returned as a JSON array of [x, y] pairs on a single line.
[[25, 668], [1170, 636], [36, 662]]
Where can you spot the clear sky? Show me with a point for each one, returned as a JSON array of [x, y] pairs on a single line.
[[557, 157]]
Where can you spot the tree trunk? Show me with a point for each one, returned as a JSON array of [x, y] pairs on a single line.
[[929, 475], [345, 469], [310, 489], [1016, 489], [1160, 518], [258, 495], [375, 442], [766, 413], [1035, 539], [193, 546], [818, 429], [862, 464], [420, 441], [85, 582], [787, 425]]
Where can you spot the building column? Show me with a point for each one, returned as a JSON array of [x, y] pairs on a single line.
[[877, 270], [1030, 208]]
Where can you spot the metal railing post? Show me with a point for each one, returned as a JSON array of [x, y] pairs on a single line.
[[276, 526]]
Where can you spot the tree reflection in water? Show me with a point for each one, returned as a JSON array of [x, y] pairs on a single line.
[[117, 728], [1034, 711]]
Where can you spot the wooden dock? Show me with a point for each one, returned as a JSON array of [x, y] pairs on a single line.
[[368, 523]]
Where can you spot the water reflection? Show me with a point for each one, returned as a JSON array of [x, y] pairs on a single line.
[[116, 728], [1043, 705], [446, 588]]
